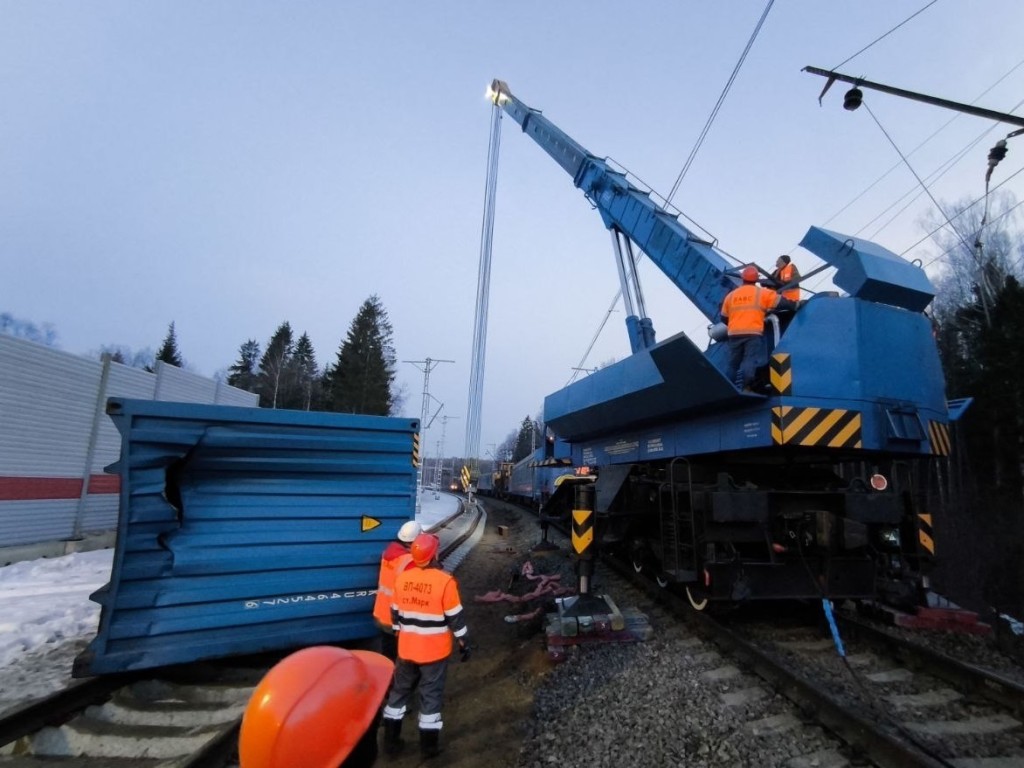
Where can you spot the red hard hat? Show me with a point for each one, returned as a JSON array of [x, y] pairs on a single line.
[[749, 274], [424, 548], [317, 703]]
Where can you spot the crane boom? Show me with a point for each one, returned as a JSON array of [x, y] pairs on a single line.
[[672, 396], [693, 264]]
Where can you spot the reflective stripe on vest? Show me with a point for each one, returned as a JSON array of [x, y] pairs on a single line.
[[428, 610]]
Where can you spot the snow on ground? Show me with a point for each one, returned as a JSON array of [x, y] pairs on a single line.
[[45, 602], [47, 618]]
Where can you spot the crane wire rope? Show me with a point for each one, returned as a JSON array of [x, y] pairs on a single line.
[[476, 379], [682, 174]]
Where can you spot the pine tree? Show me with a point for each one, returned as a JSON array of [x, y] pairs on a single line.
[[527, 440], [274, 366], [360, 381], [244, 372], [169, 349], [304, 383]]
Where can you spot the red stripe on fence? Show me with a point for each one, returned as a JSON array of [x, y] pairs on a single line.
[[39, 488]]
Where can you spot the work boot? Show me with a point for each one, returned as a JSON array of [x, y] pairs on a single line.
[[429, 746], [393, 737]]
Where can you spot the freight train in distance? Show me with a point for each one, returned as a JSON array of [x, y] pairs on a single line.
[[815, 485]]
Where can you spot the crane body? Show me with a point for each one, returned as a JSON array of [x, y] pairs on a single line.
[[727, 491]]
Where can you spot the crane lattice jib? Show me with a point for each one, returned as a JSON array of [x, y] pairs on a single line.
[[693, 264]]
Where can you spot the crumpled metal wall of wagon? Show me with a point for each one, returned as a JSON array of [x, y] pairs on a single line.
[[246, 530]]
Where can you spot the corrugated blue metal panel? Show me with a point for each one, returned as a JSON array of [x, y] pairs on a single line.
[[243, 530]]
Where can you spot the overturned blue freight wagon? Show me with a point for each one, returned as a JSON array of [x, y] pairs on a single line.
[[246, 530]]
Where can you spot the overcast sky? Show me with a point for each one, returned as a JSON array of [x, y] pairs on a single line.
[[232, 165]]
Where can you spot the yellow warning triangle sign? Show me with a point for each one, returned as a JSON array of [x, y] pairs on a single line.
[[369, 523]]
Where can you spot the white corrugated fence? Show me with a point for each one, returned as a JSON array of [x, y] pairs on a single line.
[[55, 437]]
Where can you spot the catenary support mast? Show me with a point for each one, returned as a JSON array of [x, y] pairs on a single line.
[[426, 366]]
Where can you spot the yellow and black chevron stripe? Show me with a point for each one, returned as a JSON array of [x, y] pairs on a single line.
[[822, 427], [938, 436], [582, 530], [780, 374], [416, 449], [924, 533]]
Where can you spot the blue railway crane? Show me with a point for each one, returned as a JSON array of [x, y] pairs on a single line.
[[812, 487]]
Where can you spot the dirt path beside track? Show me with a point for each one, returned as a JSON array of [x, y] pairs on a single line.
[[489, 699]]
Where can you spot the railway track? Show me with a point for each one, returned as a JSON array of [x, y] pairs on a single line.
[[184, 717], [895, 702], [889, 701]]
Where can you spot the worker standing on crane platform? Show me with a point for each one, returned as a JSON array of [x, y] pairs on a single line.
[[786, 278], [744, 309]]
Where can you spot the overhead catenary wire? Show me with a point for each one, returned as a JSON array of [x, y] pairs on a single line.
[[682, 174], [718, 105], [882, 37], [934, 176], [1001, 216], [958, 156]]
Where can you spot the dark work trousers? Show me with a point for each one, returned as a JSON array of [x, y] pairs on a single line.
[[429, 679], [744, 357], [389, 644]]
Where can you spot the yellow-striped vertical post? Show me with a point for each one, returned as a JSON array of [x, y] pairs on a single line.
[[583, 534]]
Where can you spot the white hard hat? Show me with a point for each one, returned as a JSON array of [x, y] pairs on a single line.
[[409, 532]]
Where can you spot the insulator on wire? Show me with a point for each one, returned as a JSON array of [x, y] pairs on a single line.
[[997, 153], [853, 99]]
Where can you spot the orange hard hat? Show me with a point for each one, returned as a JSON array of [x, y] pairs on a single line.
[[749, 274], [313, 707], [424, 548]]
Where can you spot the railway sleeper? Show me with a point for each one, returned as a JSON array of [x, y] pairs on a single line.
[[92, 737]]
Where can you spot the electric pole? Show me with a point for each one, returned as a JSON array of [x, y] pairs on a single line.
[[426, 366]]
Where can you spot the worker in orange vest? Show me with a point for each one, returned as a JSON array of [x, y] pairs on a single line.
[[317, 708], [427, 614], [395, 558], [786, 274], [744, 309]]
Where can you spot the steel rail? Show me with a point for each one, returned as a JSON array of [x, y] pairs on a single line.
[[967, 677], [882, 746], [58, 707]]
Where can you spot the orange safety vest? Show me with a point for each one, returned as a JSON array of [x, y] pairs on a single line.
[[396, 558], [745, 308], [787, 273], [427, 611]]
